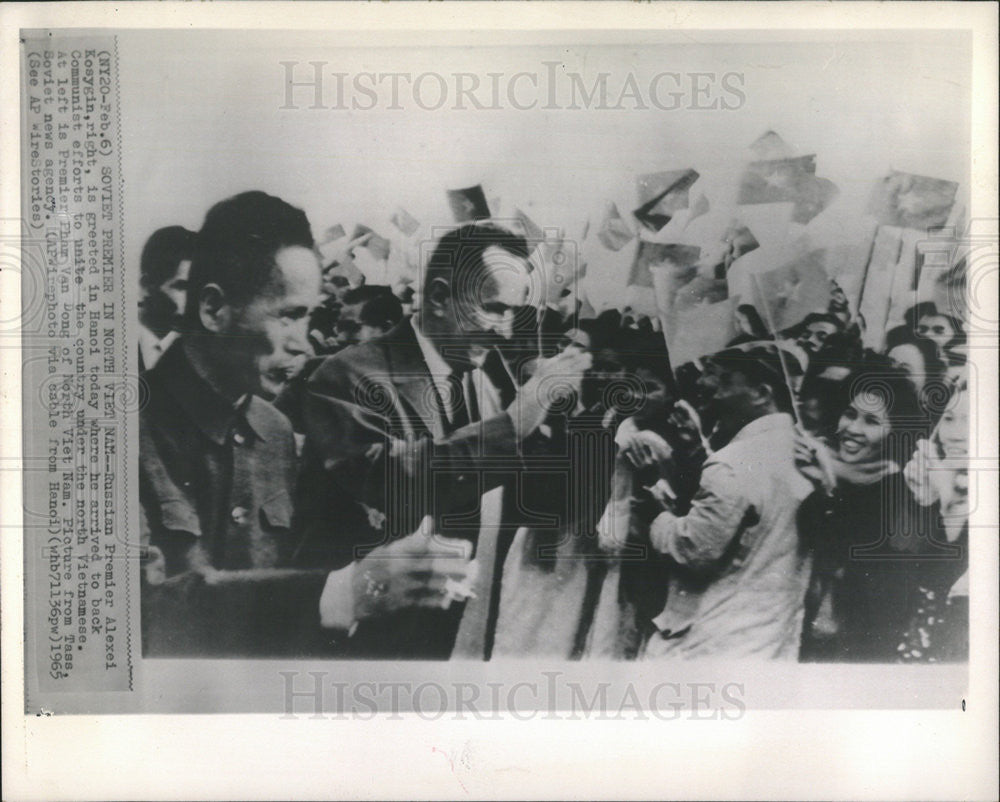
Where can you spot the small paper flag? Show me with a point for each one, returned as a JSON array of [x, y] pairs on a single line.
[[667, 254], [699, 208], [614, 232], [662, 195], [334, 232], [912, 201], [792, 291], [405, 222], [775, 180], [531, 231], [701, 330], [717, 258], [468, 204], [378, 246], [815, 194], [771, 146]]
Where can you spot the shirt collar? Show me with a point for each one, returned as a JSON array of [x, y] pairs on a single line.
[[254, 415], [211, 412], [436, 363], [766, 423], [154, 347]]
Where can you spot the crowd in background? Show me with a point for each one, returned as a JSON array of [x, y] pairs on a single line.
[[856, 551]]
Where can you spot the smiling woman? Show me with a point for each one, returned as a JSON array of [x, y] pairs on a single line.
[[872, 542]]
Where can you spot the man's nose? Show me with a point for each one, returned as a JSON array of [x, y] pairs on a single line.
[[503, 325], [298, 338]]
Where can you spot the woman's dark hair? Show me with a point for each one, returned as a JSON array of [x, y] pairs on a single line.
[[879, 383], [917, 311], [820, 317], [935, 392], [956, 325], [953, 350], [911, 320], [933, 366]]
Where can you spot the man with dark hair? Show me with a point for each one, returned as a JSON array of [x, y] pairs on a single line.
[[368, 311], [217, 463], [163, 276], [814, 331], [739, 577], [823, 392], [425, 423], [942, 329], [924, 319]]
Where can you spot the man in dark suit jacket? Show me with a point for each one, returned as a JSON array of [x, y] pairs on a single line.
[[216, 462], [163, 277], [422, 424]]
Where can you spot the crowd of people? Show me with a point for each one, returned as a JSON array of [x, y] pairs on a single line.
[[451, 469]]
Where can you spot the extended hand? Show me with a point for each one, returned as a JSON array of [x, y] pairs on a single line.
[[814, 461], [553, 381], [641, 447], [419, 570]]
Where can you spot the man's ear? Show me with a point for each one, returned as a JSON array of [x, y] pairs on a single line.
[[763, 394], [437, 297], [214, 311]]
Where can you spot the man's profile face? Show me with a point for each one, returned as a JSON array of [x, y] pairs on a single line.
[[163, 304], [732, 395], [271, 332], [175, 288], [653, 395], [812, 415], [706, 385], [349, 324], [352, 330]]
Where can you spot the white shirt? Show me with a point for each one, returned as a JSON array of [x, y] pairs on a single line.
[[152, 347], [474, 382]]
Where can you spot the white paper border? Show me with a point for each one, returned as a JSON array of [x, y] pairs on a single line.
[[802, 754]]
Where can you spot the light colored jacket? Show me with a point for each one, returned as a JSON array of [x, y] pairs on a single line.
[[739, 585]]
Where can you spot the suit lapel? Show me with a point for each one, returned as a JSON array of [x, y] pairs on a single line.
[[412, 380]]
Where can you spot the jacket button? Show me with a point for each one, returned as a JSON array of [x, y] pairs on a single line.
[[239, 439], [240, 515]]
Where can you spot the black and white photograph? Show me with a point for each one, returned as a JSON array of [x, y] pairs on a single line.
[[553, 353], [594, 371]]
